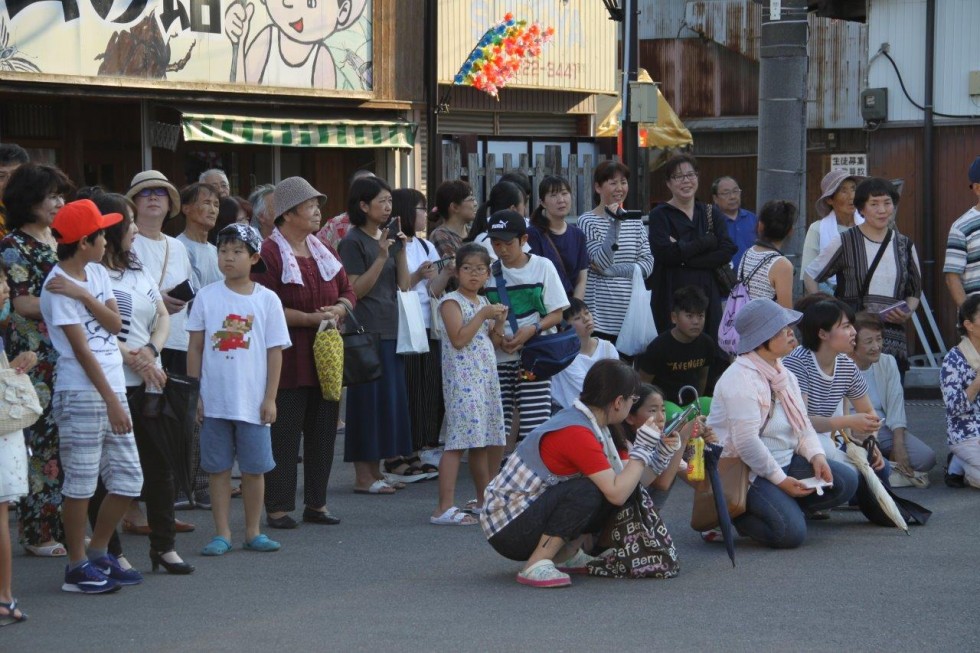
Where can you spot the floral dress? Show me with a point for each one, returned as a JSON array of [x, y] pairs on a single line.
[[471, 388], [28, 262]]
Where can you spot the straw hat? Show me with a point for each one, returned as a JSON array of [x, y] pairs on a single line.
[[829, 185], [291, 192], [155, 179], [759, 321]]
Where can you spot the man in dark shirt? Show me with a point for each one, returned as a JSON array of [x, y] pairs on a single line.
[[681, 356]]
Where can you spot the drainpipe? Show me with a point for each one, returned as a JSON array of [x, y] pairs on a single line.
[[431, 80], [928, 240]]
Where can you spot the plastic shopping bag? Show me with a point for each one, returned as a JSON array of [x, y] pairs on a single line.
[[412, 338], [638, 329]]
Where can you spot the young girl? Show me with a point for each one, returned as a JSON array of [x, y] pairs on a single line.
[[13, 481], [474, 415]]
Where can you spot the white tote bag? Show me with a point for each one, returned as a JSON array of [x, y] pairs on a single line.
[[638, 329], [411, 327]]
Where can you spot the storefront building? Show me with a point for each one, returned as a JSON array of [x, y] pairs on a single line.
[[261, 90]]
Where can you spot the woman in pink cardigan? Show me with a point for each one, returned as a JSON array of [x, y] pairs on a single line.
[[759, 415]]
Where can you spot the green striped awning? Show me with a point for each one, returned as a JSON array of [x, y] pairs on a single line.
[[243, 130]]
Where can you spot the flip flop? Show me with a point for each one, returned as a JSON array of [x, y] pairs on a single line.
[[56, 550], [453, 517], [218, 546], [378, 487]]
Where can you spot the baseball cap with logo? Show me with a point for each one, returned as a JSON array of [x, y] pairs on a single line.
[[79, 219], [506, 225]]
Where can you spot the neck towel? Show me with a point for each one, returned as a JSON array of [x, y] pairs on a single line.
[[326, 262]]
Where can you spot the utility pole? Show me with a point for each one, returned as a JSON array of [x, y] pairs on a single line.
[[782, 110], [431, 80], [629, 129]]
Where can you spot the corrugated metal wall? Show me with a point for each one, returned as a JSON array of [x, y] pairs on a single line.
[[901, 23]]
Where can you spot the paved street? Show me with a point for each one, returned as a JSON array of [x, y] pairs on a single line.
[[387, 580]]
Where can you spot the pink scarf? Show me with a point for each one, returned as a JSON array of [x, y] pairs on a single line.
[[778, 379], [326, 263]]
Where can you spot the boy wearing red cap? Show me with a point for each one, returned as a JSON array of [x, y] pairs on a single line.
[[89, 398]]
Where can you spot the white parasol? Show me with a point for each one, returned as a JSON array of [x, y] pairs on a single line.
[[859, 456]]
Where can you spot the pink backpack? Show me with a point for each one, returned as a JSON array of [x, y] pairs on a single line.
[[739, 297]]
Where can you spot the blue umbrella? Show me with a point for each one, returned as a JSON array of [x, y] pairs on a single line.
[[712, 453]]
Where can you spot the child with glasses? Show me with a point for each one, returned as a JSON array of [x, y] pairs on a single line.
[[474, 414]]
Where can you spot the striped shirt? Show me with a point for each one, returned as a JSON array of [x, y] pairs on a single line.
[[754, 272], [963, 250], [609, 297], [823, 392]]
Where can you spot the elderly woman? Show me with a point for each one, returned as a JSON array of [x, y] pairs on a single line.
[[378, 422], [687, 246], [566, 478], [960, 384], [615, 247], [307, 276], [877, 268], [837, 212], [261, 200], [760, 416], [32, 198]]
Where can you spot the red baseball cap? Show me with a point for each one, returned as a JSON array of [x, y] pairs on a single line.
[[79, 219]]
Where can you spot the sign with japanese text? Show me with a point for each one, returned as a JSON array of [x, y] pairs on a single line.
[[855, 164], [317, 47]]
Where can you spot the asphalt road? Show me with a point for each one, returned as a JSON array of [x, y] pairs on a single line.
[[387, 580]]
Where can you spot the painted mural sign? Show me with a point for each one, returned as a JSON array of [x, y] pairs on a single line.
[[306, 46]]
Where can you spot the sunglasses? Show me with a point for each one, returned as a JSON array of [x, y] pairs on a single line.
[[149, 192]]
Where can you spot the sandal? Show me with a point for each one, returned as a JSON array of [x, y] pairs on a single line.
[[472, 507], [378, 487], [453, 517], [13, 616], [218, 546], [430, 471], [401, 469], [262, 543], [134, 529], [55, 550]]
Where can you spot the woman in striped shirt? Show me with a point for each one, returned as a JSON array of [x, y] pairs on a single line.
[[616, 246]]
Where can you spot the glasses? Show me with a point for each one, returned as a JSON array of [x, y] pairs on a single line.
[[690, 175], [730, 193], [474, 269], [150, 192]]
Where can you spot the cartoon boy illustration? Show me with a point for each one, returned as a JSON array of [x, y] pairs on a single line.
[[233, 335], [289, 51]]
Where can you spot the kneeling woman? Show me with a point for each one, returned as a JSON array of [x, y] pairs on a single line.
[[759, 414], [565, 479]]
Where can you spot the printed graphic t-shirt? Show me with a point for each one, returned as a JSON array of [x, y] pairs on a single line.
[[674, 364], [60, 311], [238, 329]]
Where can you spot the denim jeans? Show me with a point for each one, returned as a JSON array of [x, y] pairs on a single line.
[[776, 519]]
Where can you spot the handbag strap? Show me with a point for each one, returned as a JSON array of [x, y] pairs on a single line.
[[547, 236], [866, 284], [166, 259], [498, 277], [745, 281], [354, 321]]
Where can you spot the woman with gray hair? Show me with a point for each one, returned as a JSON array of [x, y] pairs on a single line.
[[261, 200], [308, 277]]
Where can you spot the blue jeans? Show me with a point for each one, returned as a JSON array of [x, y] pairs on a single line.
[[776, 519]]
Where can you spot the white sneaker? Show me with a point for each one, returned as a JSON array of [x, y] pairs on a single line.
[[543, 573], [577, 564]]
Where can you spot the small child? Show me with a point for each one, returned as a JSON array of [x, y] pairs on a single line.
[[244, 327], [474, 416], [13, 480], [89, 399], [683, 355], [566, 386]]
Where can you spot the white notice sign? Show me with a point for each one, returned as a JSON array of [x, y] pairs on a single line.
[[775, 9], [855, 164]]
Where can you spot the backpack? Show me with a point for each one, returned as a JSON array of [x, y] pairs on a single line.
[[739, 297]]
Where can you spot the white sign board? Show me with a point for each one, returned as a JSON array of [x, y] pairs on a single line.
[[775, 9], [855, 164]]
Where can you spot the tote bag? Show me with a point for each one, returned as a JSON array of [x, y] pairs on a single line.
[[362, 354], [638, 329], [412, 338]]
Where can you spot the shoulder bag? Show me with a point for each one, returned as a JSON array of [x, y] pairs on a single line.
[[362, 354], [724, 274], [858, 303]]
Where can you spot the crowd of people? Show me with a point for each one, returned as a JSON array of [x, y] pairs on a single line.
[[113, 295]]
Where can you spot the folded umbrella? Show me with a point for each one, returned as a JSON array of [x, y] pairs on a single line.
[[712, 453], [169, 420], [859, 456]]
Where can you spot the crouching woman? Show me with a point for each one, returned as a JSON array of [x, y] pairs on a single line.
[[567, 477], [759, 415]]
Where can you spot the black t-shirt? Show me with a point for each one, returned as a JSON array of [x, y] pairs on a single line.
[[674, 364]]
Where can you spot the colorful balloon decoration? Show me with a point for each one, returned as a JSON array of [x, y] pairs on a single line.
[[497, 58]]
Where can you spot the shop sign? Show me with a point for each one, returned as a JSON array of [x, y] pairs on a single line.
[[320, 47]]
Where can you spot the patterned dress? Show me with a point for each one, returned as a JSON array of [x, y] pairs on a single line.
[[28, 262], [474, 414]]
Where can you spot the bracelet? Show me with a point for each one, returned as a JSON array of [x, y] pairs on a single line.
[[152, 347]]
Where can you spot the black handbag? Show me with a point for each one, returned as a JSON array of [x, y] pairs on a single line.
[[724, 275], [542, 356], [362, 354], [640, 546]]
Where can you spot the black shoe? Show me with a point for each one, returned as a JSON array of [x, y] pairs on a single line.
[[957, 481], [285, 522], [179, 568], [317, 517]]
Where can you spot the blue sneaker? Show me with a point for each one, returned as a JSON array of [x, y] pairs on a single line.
[[109, 566], [87, 579]]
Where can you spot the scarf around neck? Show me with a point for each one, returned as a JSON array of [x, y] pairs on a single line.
[[778, 379], [970, 353], [326, 262]]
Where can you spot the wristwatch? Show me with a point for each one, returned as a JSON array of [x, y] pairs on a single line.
[[537, 328], [152, 347]]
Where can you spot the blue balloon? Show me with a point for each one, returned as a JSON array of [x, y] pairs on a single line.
[[458, 79]]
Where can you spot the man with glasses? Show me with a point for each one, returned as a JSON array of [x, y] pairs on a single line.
[[727, 196]]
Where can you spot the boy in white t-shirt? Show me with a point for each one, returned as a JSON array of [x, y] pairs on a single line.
[[237, 334], [566, 386], [89, 399]]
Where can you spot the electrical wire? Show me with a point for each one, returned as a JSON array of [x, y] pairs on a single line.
[[918, 106]]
